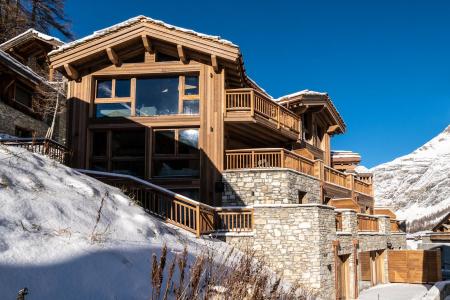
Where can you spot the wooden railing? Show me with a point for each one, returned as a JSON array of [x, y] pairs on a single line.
[[362, 187], [334, 176], [234, 219], [268, 158], [177, 209], [43, 146], [338, 218], [254, 102], [367, 178], [367, 223]]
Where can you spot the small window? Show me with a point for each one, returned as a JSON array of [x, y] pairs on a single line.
[[161, 57], [188, 141], [23, 133], [190, 107], [164, 142], [104, 88], [302, 197], [123, 87], [191, 85], [110, 110], [23, 96]]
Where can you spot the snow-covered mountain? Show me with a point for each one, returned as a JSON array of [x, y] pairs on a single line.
[[417, 185], [64, 235]]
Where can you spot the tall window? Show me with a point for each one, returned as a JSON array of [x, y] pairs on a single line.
[[175, 153], [149, 96], [119, 151]]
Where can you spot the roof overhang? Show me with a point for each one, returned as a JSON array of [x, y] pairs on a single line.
[[148, 34], [316, 102]]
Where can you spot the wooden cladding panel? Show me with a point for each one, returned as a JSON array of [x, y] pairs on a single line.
[[364, 262], [414, 266]]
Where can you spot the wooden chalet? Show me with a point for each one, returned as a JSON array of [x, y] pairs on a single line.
[[24, 71], [176, 108]]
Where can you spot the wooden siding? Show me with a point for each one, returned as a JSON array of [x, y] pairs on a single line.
[[414, 266]]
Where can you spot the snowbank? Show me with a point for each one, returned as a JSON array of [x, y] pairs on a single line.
[[64, 235]]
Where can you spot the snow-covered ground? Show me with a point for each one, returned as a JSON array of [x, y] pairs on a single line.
[[51, 242], [417, 185], [395, 291]]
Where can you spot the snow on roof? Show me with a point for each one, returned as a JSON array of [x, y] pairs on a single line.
[[362, 169], [302, 92], [344, 153], [20, 68], [131, 21], [32, 32]]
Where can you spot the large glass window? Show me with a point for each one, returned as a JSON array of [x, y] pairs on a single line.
[[157, 96], [147, 96], [176, 153]]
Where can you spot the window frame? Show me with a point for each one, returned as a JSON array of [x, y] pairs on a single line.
[[176, 155], [132, 99]]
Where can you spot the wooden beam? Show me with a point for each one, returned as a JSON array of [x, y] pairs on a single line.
[[332, 129], [71, 72], [215, 63], [182, 54], [148, 46], [113, 57]]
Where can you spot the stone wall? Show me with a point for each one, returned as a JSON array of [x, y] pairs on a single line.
[[397, 240], [10, 118], [268, 186]]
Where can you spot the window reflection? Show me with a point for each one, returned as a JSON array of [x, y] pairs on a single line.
[[188, 141], [157, 96], [113, 110], [123, 87], [177, 168], [190, 107], [191, 85], [104, 88]]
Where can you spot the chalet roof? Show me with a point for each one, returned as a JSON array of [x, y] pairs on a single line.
[[20, 69], [29, 35], [313, 98], [100, 33], [442, 221], [344, 154]]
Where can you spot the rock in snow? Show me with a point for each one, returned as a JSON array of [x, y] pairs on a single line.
[[417, 185], [50, 243]]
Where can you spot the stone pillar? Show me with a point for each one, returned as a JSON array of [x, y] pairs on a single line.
[[296, 242], [350, 226], [384, 227], [349, 222]]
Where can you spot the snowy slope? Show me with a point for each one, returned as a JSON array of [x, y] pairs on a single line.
[[50, 243], [417, 185]]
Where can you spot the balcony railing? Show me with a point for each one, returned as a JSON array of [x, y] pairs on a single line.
[[395, 226], [367, 223], [268, 158], [260, 158], [44, 146], [254, 102]]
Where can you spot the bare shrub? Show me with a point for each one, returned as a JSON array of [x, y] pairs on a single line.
[[233, 275]]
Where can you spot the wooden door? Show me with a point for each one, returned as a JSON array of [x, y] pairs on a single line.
[[414, 266], [342, 277]]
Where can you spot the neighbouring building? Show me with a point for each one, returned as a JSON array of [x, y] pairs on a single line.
[[177, 108], [28, 89]]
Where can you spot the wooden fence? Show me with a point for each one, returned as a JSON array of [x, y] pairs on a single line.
[[47, 147], [414, 266], [177, 209], [334, 176], [254, 102]]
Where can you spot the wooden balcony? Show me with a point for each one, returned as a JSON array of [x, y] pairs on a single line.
[[249, 106], [281, 158], [367, 223]]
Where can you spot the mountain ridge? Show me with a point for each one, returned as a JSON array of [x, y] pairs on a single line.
[[417, 185]]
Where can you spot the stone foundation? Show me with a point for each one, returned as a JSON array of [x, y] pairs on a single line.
[[269, 186], [10, 118]]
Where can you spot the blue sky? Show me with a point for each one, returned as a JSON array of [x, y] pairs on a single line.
[[385, 64]]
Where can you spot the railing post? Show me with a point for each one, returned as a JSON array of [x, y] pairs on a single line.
[[253, 159], [282, 164], [318, 169], [252, 103], [197, 220], [278, 117]]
